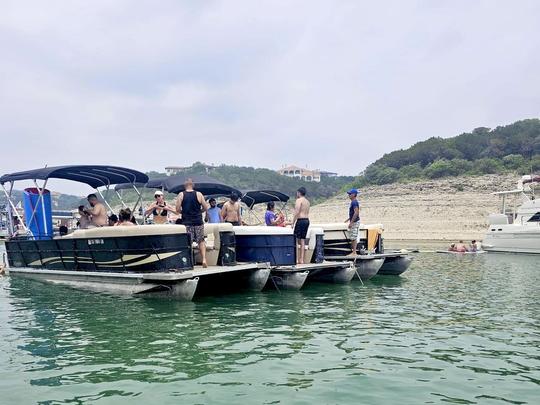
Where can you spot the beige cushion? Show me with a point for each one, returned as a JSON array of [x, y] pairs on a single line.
[[336, 226], [137, 230]]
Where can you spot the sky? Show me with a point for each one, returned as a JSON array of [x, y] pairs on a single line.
[[326, 84]]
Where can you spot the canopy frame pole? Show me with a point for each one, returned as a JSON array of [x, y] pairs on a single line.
[[40, 191], [14, 208], [104, 199], [139, 199], [120, 198], [39, 201]]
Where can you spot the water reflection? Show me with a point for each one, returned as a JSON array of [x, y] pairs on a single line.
[[452, 329]]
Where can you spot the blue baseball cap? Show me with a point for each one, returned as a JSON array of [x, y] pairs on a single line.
[[352, 191]]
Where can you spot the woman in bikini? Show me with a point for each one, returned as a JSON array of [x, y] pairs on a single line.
[[160, 209]]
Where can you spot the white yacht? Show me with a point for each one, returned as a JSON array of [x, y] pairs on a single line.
[[516, 229]]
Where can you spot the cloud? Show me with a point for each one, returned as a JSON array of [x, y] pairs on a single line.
[[333, 85]]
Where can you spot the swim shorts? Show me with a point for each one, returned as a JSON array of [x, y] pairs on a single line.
[[301, 228], [353, 231], [196, 232]]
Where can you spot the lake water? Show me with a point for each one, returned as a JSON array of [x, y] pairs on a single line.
[[452, 329]]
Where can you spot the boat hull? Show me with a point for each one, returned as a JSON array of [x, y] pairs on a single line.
[[368, 268], [230, 279], [178, 286], [394, 266], [339, 273], [511, 240], [286, 280]]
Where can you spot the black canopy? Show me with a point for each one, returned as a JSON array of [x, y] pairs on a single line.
[[94, 176], [203, 184], [251, 198]]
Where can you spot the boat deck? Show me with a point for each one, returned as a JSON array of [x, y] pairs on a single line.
[[198, 271]]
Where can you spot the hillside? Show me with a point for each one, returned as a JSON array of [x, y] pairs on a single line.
[[513, 148], [250, 178], [451, 209]]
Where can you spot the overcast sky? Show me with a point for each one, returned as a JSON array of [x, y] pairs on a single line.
[[328, 84]]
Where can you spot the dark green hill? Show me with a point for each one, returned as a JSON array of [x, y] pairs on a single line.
[[510, 148]]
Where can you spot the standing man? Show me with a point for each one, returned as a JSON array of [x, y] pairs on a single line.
[[301, 221], [231, 211], [354, 219], [97, 211], [213, 215], [191, 205]]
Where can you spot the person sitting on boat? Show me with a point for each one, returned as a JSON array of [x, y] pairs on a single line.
[[213, 215], [97, 211], [270, 217], [231, 211], [452, 248], [160, 209], [473, 247], [84, 221], [113, 220], [191, 204], [354, 219], [273, 219], [461, 248], [125, 217]]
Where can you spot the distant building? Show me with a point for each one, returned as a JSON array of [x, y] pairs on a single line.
[[172, 170], [301, 173], [328, 174]]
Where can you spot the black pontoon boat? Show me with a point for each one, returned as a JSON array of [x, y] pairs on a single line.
[[221, 243], [117, 259]]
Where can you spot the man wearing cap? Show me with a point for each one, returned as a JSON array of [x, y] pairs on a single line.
[[160, 209], [354, 219]]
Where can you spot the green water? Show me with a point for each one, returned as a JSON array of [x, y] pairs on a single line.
[[451, 330]]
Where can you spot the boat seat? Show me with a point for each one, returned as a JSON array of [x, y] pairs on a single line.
[[117, 231], [312, 236], [335, 226], [212, 234]]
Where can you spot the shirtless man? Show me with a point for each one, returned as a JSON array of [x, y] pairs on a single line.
[[301, 221], [231, 211], [98, 212]]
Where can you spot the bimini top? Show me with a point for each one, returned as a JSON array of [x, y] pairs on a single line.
[[204, 184], [252, 198], [94, 176]]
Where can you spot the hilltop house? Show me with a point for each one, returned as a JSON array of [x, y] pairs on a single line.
[[173, 170], [301, 173]]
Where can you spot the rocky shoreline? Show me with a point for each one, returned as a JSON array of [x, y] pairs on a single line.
[[446, 209]]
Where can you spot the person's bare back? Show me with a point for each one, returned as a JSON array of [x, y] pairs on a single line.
[[302, 208]]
